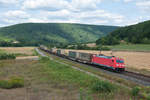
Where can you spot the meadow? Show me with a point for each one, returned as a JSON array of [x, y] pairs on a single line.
[[46, 78]]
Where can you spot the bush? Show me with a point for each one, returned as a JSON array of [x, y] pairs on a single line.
[[44, 59], [5, 84], [135, 91], [12, 83], [4, 56], [103, 86], [148, 97]]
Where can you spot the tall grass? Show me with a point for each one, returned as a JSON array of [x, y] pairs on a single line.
[[103, 86], [135, 91]]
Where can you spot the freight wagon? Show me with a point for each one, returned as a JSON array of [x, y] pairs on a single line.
[[85, 57], [73, 55], [61, 52]]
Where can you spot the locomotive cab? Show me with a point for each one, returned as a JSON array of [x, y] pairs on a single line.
[[119, 64]]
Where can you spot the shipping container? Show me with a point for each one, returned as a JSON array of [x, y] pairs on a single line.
[[73, 54], [59, 52], [85, 57]]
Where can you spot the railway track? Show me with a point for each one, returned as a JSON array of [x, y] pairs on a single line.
[[128, 75], [137, 75]]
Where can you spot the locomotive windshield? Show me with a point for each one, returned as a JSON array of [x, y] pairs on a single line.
[[119, 61]]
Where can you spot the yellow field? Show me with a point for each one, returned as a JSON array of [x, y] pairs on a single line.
[[21, 50]]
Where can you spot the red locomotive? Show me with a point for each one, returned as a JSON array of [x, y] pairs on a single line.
[[112, 62]]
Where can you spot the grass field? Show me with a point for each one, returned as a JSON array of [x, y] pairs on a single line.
[[131, 47]]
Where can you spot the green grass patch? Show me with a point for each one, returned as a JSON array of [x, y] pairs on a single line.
[[20, 54], [103, 86], [131, 47], [35, 53], [64, 73], [14, 82], [135, 91]]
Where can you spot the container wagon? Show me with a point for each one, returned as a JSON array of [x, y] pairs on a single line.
[[61, 52], [73, 55], [84, 57]]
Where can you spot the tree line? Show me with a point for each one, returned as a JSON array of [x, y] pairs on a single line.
[[136, 34]]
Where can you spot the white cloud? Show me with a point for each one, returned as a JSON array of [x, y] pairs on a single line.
[[84, 4], [8, 1], [72, 11], [144, 5], [16, 14], [128, 0], [73, 5], [52, 4], [87, 17], [101, 15]]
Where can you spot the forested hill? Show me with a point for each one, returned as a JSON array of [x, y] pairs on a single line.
[[53, 33], [137, 34]]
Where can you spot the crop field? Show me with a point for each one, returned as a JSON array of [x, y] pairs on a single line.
[[19, 50]]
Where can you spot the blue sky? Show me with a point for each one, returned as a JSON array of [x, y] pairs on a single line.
[[97, 12]]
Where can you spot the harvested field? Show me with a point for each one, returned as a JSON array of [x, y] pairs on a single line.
[[21, 50], [28, 57], [138, 60]]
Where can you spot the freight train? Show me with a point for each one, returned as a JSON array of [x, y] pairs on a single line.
[[111, 62]]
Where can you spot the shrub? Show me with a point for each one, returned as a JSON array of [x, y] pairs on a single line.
[[12, 83], [103, 86], [17, 82], [7, 56], [44, 59], [5, 84], [148, 97], [135, 91]]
